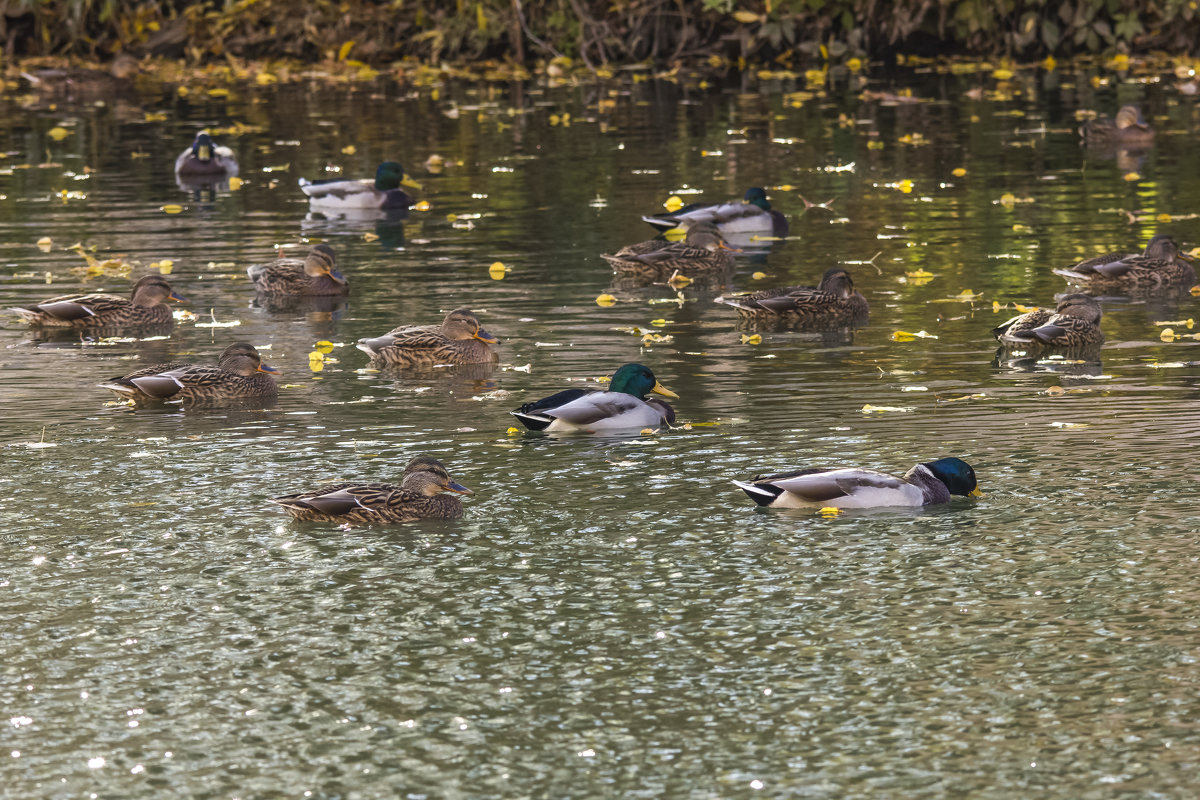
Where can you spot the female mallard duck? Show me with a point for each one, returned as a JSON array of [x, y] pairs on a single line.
[[702, 254], [125, 382], [240, 375], [1162, 265], [205, 159], [848, 487], [752, 216], [834, 302], [460, 339], [315, 274], [1075, 323], [419, 496], [146, 306], [384, 193], [1128, 129], [623, 406]]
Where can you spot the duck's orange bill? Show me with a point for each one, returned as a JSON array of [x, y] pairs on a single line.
[[975, 492], [484, 336], [664, 391], [458, 487]]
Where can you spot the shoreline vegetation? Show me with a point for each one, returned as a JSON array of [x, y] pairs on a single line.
[[515, 36]]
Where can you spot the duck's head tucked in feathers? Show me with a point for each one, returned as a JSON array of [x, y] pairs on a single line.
[[957, 474], [1163, 248], [637, 380], [837, 281]]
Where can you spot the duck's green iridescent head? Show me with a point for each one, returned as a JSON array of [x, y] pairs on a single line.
[[757, 196], [390, 175], [203, 146], [637, 380], [956, 474]]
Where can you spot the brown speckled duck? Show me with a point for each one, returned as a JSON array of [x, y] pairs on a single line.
[[419, 496], [1161, 266], [315, 274], [834, 302], [1075, 323], [703, 253], [145, 306], [240, 375], [1127, 129], [460, 339]]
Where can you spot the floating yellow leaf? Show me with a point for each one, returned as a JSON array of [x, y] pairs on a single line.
[[673, 203], [45, 243], [905, 336], [996, 306], [155, 116], [967, 296], [235, 183], [1188, 323], [1194, 291], [875, 144], [751, 339], [58, 133], [745, 17], [605, 300], [958, 172], [920, 273], [758, 276], [513, 431], [1167, 335], [1003, 74], [497, 270], [1132, 176], [854, 64], [316, 361], [171, 208], [349, 150], [1048, 63], [344, 50], [324, 346], [1008, 199], [370, 237], [1019, 228], [870, 409], [829, 512], [1025, 309], [218, 93], [678, 281], [905, 186], [265, 79], [164, 267], [658, 322], [423, 206]]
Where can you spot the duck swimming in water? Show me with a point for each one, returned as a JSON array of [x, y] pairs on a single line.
[[622, 407], [849, 487]]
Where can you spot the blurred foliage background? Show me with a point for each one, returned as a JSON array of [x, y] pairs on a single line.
[[598, 32]]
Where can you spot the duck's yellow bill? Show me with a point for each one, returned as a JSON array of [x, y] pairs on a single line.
[[409, 182], [664, 391], [975, 492]]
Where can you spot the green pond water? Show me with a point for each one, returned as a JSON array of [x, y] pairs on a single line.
[[612, 617]]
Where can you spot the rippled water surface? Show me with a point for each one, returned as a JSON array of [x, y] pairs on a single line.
[[612, 617]]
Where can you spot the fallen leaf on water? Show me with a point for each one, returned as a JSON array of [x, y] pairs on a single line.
[[316, 361], [1069, 425], [905, 336], [171, 208], [45, 243], [370, 237], [919, 274], [58, 133], [958, 172], [1187, 323], [513, 431], [497, 270], [349, 150], [324, 346], [164, 267], [960, 398], [829, 512], [605, 300], [673, 203], [751, 339], [1132, 176], [870, 409], [422, 206], [235, 183], [658, 323]]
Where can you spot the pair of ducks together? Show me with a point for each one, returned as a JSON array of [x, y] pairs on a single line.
[[205, 159], [421, 493], [1075, 322]]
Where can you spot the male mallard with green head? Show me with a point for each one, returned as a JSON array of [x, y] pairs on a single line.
[[205, 159], [383, 193], [623, 406], [925, 484]]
